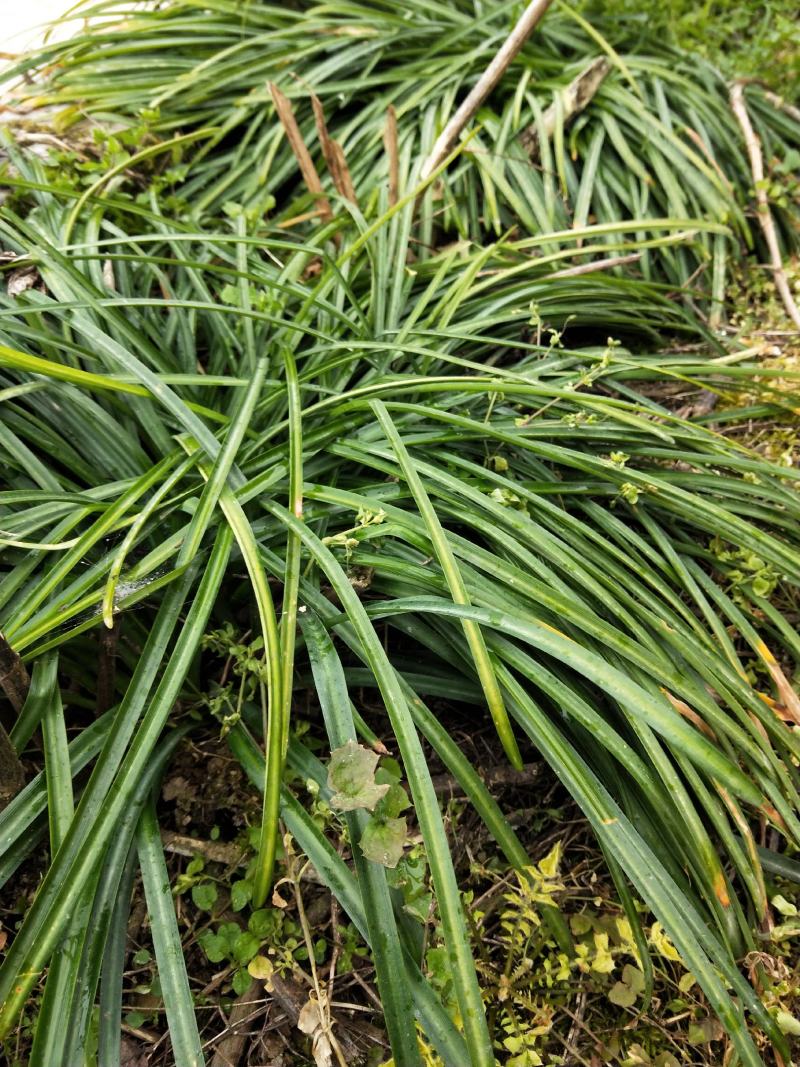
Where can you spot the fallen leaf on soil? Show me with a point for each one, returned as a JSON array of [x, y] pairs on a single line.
[[311, 1022], [21, 279]]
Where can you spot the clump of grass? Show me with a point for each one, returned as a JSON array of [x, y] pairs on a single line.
[[223, 398]]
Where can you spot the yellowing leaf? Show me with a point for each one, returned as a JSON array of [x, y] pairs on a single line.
[[603, 961], [686, 982], [662, 944], [784, 906], [260, 967], [549, 865], [787, 1023]]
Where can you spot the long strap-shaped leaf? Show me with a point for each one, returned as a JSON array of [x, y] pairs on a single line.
[[453, 758], [683, 924], [395, 994], [112, 896], [660, 715], [276, 730], [465, 981], [455, 583], [48, 1043], [186, 1047], [291, 580], [130, 709], [341, 882], [26, 807], [100, 809]]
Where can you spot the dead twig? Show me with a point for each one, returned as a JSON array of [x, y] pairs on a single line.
[[446, 141], [574, 99], [597, 264], [739, 108], [14, 678], [229, 1049], [215, 851], [390, 144], [779, 103]]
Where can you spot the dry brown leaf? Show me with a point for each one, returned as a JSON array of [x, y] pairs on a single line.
[[298, 146], [21, 279], [312, 1022]]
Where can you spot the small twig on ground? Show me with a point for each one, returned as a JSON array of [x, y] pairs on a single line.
[[250, 1005], [765, 219], [446, 141], [216, 851]]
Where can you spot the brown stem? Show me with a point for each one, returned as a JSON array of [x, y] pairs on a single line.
[[14, 679], [447, 139], [390, 143], [753, 144]]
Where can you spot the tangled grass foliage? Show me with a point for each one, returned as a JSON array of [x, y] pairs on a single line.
[[233, 382]]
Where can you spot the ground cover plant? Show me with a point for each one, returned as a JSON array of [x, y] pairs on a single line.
[[321, 442]]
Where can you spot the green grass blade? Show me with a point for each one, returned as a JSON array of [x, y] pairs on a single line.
[[187, 1049], [447, 561], [395, 994], [427, 808]]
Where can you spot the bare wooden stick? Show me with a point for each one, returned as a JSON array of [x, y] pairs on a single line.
[[247, 1007], [12, 773], [597, 264], [574, 99], [14, 682], [390, 144], [14, 679], [782, 105], [298, 146], [446, 141], [215, 851], [765, 219]]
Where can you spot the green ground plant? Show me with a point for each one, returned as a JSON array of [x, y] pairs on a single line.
[[330, 426]]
